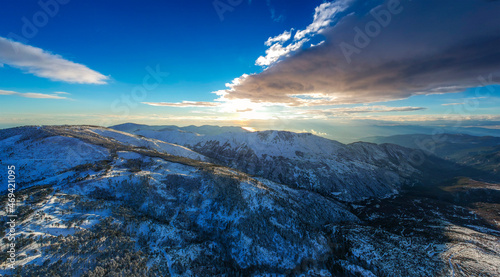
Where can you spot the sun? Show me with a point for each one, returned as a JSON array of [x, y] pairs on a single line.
[[250, 129]]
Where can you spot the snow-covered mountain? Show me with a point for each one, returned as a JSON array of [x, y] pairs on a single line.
[[190, 210], [93, 201], [348, 172]]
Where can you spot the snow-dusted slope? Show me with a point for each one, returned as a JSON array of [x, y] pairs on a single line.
[[129, 139], [185, 209], [276, 144], [43, 152], [45, 159], [95, 202], [349, 172]]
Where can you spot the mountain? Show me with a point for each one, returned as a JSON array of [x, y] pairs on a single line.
[[93, 201], [482, 153], [203, 130], [189, 212], [349, 172], [375, 129]]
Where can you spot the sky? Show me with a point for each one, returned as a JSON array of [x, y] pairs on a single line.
[[315, 66]]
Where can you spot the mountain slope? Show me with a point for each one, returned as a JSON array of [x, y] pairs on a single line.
[[482, 153], [118, 204], [198, 211], [348, 172]]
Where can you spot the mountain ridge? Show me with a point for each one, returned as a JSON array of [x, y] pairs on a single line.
[[304, 160]]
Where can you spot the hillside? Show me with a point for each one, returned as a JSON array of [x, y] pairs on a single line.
[[349, 172], [93, 201], [482, 153]]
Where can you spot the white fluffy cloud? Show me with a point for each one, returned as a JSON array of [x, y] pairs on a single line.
[[283, 37], [324, 15], [276, 51], [44, 64]]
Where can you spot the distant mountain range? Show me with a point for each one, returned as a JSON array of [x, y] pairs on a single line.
[[141, 200], [482, 153], [352, 132], [204, 130]]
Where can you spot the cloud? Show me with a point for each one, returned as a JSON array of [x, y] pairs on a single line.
[[323, 16], [453, 104], [183, 104], [359, 109], [44, 64], [450, 120], [276, 51], [284, 37], [394, 52], [34, 94], [316, 133], [317, 44]]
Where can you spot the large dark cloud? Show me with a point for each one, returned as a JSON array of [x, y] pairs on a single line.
[[427, 47]]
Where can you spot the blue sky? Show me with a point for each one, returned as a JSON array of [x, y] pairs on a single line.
[[247, 63]]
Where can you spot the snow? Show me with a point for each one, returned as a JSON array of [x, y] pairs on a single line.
[[41, 161], [278, 208], [129, 155], [149, 143], [10, 140], [349, 172], [277, 143]]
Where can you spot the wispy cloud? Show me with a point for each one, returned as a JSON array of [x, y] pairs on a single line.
[[44, 64], [183, 104], [438, 119], [55, 95], [453, 104], [359, 109], [316, 133]]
